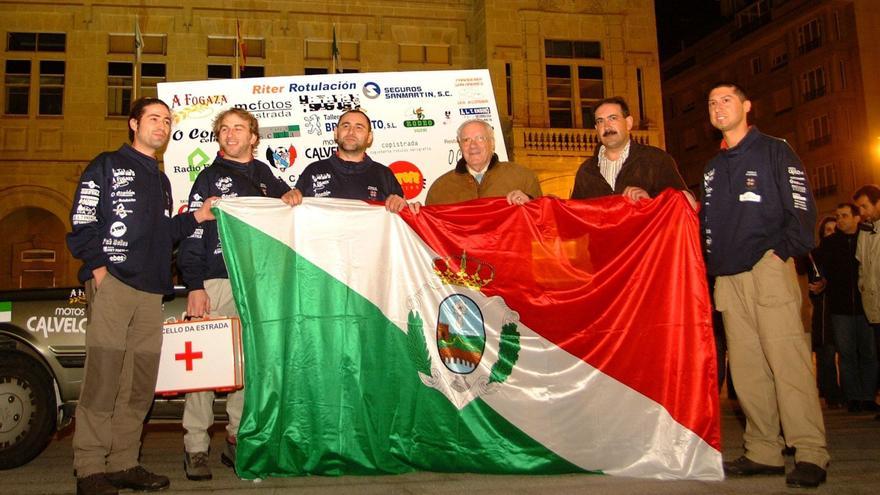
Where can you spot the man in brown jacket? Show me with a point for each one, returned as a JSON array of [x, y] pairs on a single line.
[[479, 174], [621, 165]]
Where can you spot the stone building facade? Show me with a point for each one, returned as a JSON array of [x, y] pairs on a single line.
[[69, 77]]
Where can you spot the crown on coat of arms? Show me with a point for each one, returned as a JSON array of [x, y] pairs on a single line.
[[471, 273]]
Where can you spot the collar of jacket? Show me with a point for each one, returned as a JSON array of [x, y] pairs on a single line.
[[744, 144], [148, 162], [461, 166], [237, 166]]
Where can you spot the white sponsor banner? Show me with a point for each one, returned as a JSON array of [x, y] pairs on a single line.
[[414, 116], [200, 355]]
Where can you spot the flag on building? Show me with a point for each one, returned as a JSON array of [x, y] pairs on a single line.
[[5, 311], [240, 50], [550, 338], [335, 67], [138, 51]]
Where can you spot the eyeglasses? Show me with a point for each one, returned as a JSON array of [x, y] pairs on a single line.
[[476, 139], [611, 119]]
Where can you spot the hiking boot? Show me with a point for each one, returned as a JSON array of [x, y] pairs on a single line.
[[196, 467], [138, 479], [805, 475], [95, 484], [227, 457], [747, 467]]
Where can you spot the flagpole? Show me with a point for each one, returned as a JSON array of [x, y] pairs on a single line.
[[138, 47], [334, 55]]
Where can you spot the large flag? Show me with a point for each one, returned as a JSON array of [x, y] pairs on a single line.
[[553, 337]]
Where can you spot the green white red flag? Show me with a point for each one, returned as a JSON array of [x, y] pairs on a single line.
[[547, 338]]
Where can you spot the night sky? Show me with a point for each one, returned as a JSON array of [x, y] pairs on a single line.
[[684, 21]]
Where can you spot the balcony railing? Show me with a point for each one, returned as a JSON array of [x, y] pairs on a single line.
[[577, 142], [810, 45], [819, 141]]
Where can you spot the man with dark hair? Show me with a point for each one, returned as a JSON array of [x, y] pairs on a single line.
[[234, 173], [757, 215], [621, 165], [351, 173], [124, 234], [479, 173], [853, 336], [867, 198]]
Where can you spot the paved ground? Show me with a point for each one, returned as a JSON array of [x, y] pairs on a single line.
[[854, 442]]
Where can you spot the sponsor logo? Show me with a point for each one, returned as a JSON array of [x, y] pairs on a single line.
[[267, 89], [376, 124], [121, 211], [122, 177], [280, 132], [399, 92], [420, 121], [281, 158], [188, 99], [196, 161], [200, 135], [118, 229], [320, 152], [329, 103], [313, 124], [322, 86], [117, 258], [267, 109], [475, 111], [74, 323], [410, 177], [371, 90], [194, 112], [224, 184]]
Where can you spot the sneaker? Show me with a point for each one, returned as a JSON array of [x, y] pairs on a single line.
[[805, 475], [139, 479], [95, 484], [227, 457], [196, 467], [747, 467]]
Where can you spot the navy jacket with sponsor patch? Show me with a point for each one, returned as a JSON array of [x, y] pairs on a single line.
[[337, 178], [200, 256], [755, 197], [121, 219]]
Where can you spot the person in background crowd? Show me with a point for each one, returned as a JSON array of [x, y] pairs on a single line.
[[867, 198], [757, 214], [124, 233], [823, 332], [234, 173]]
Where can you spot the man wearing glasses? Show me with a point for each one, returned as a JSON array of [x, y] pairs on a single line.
[[479, 174], [621, 165]]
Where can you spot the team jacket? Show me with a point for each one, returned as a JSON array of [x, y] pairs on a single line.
[[200, 256], [755, 198], [337, 178], [121, 219]]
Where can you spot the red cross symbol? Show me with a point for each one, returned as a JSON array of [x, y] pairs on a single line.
[[189, 356]]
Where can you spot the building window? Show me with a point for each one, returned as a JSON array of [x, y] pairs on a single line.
[[119, 84], [572, 49], [572, 90], [782, 101], [778, 57], [224, 46], [756, 65], [36, 42], [813, 84], [18, 86], [819, 132], [51, 87], [824, 181], [220, 71], [120, 81], [424, 54], [154, 44], [809, 36]]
